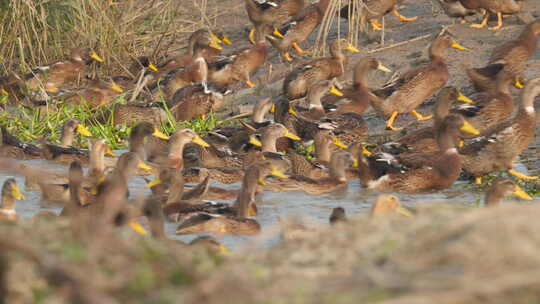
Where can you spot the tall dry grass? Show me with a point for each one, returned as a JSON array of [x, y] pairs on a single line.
[[34, 32]]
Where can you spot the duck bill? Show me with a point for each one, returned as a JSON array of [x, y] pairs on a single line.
[[152, 67], [335, 91], [214, 38], [403, 211], [521, 193], [381, 67], [4, 92], [138, 228], [292, 111], [261, 181], [157, 133], [215, 45], [275, 172], [252, 210], [199, 141], [464, 98], [156, 181], [338, 143], [116, 87], [458, 46], [52, 90], [467, 127], [144, 166], [273, 108], [16, 192], [109, 152], [355, 163], [254, 141], [290, 135], [224, 250], [95, 56], [352, 48], [226, 40], [277, 33], [81, 129]]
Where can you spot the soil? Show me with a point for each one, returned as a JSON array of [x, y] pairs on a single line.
[[431, 20]]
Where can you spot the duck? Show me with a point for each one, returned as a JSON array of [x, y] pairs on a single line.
[[355, 98], [239, 66], [498, 7], [298, 81], [244, 206], [138, 136], [323, 141], [349, 126], [151, 209], [14, 148], [55, 75], [169, 187], [99, 93], [299, 28], [268, 143], [500, 145], [132, 113], [228, 143], [501, 187], [273, 13], [490, 107], [415, 86], [386, 204], [338, 215], [200, 38], [454, 9], [54, 186], [196, 101], [10, 194], [421, 171], [336, 179], [424, 139], [374, 10], [193, 72], [510, 57], [109, 206], [173, 156], [64, 193], [65, 152]]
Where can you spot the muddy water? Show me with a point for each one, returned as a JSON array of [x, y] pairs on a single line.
[[272, 206]]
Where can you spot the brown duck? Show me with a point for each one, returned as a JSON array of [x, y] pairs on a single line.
[[500, 145], [510, 57], [239, 66], [415, 86], [298, 82], [489, 107], [374, 10], [355, 99], [337, 178], [273, 13], [421, 171], [299, 28], [498, 7], [10, 194], [56, 74], [424, 139], [501, 187], [244, 206]]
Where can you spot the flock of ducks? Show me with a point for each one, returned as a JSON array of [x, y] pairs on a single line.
[[473, 139]]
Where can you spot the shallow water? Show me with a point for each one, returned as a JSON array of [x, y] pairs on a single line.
[[272, 206]]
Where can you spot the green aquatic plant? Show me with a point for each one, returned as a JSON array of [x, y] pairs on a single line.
[[31, 124]]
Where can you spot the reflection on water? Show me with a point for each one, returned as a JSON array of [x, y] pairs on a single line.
[[272, 205]]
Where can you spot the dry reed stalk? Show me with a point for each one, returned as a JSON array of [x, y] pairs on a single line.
[[47, 30]]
